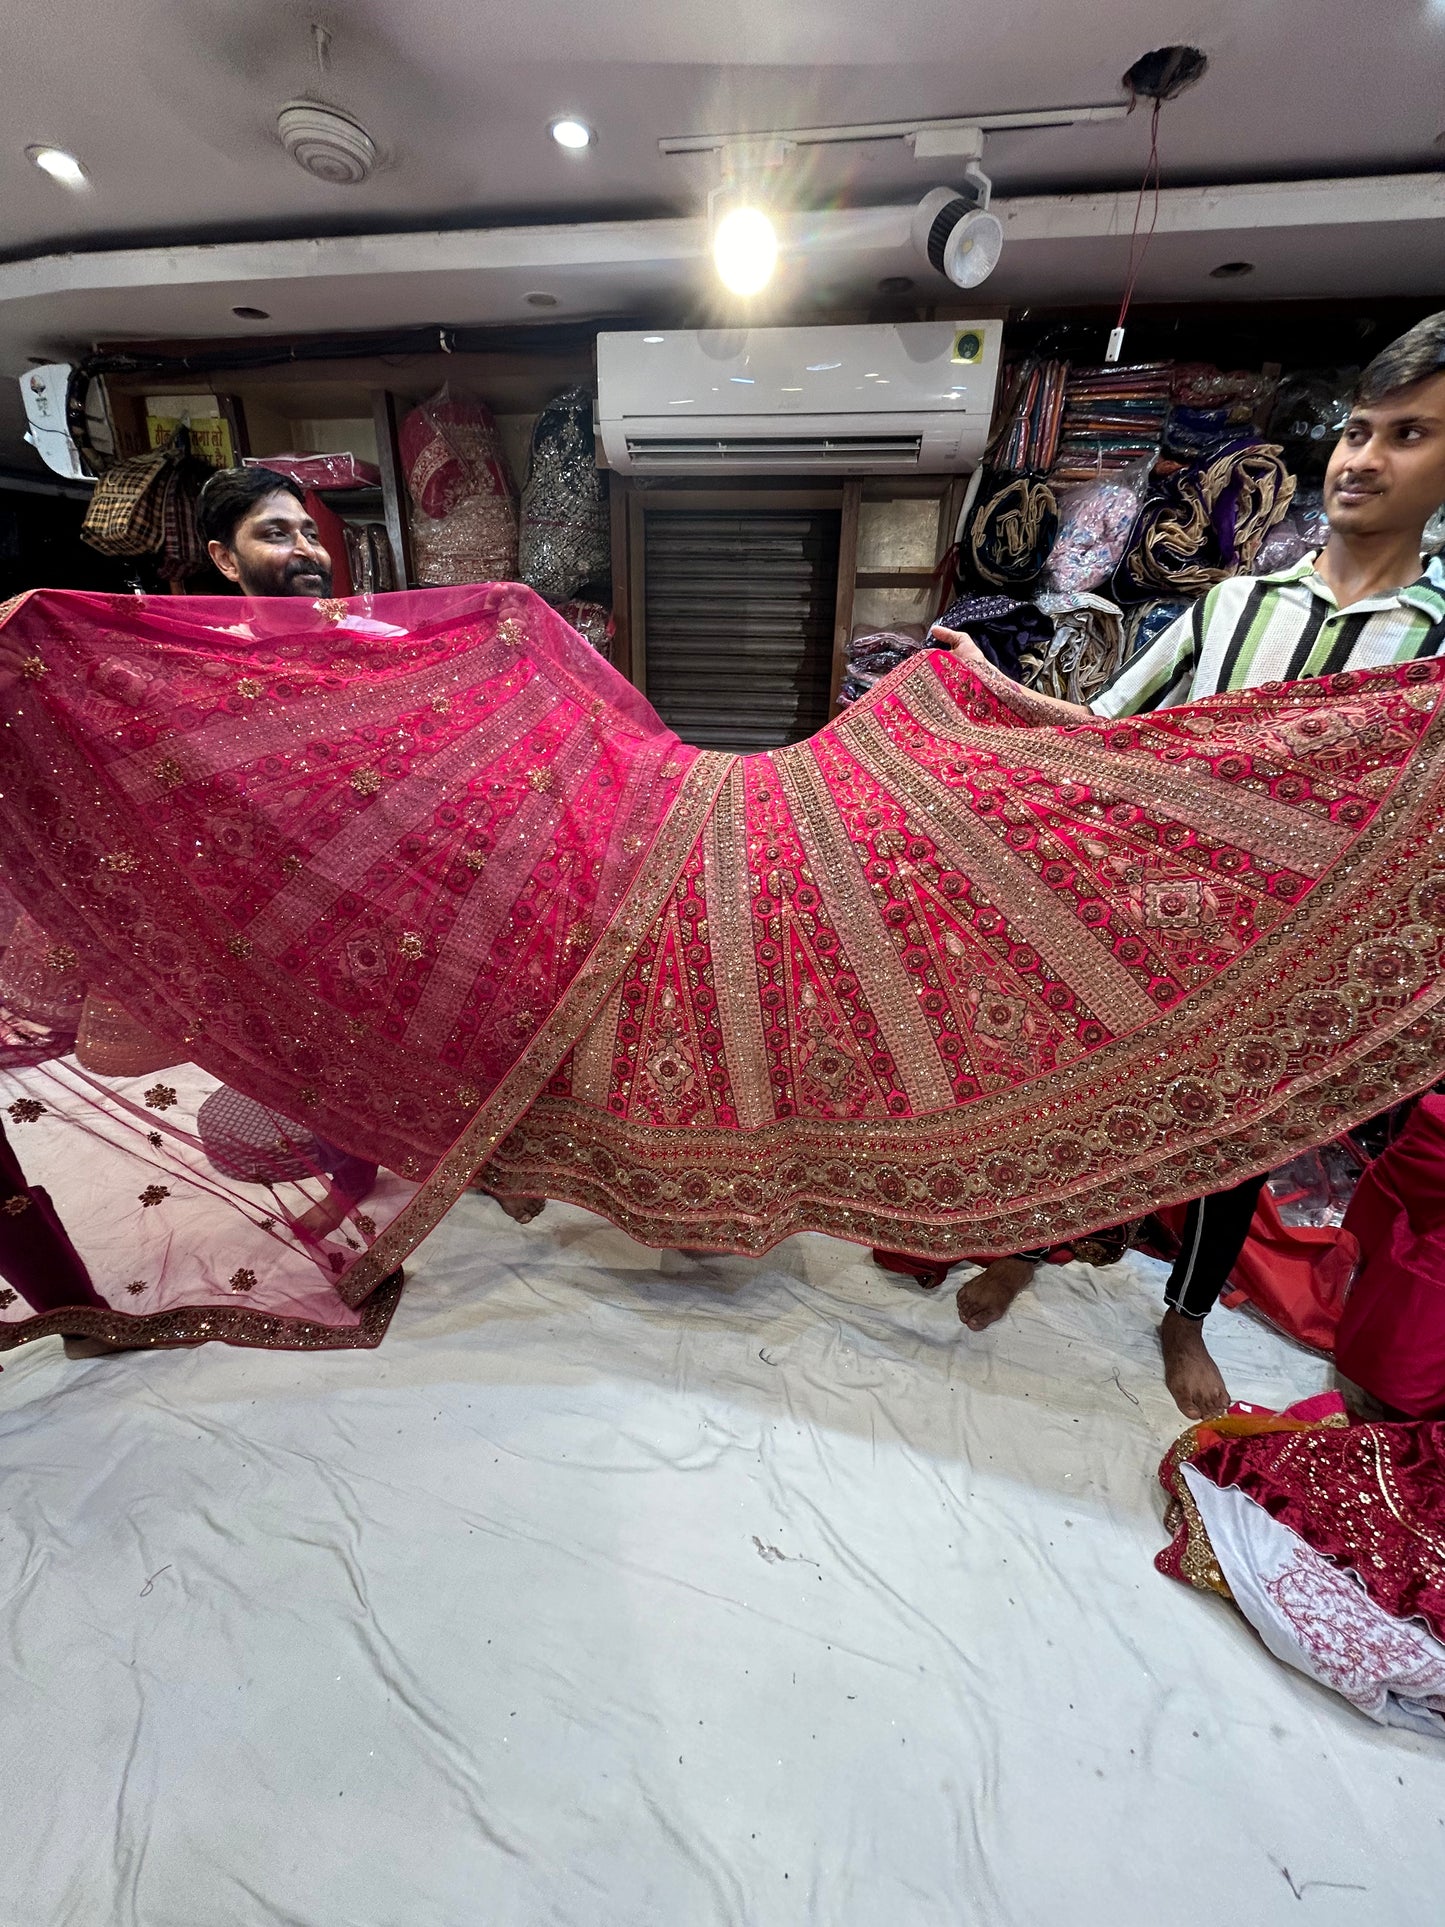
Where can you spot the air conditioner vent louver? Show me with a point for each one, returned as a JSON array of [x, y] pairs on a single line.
[[776, 451]]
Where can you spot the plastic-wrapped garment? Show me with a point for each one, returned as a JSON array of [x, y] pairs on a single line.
[[1316, 1187], [1309, 411], [1147, 621], [464, 528], [1303, 530], [871, 656], [593, 621], [1008, 632], [1086, 649], [1244, 395], [341, 470], [1095, 519], [565, 534]]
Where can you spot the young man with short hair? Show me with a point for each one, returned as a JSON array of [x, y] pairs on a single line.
[[1366, 600]]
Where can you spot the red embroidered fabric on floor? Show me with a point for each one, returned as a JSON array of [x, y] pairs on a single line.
[[1369, 1497], [424, 877]]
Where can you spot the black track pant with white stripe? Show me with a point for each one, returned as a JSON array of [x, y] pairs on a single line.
[[1215, 1229]]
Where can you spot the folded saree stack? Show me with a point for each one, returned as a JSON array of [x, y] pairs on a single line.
[[1113, 418]]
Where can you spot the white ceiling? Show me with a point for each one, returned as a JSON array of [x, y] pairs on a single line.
[[171, 103]]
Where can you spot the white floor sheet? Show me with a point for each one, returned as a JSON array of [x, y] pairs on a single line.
[[623, 1588]]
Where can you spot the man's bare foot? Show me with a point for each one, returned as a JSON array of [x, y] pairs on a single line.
[[984, 1298], [521, 1210], [1189, 1372]]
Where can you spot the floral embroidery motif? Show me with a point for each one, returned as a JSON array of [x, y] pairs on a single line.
[[441, 704], [136, 1286], [308, 1096], [12, 1207], [243, 1279], [474, 859], [240, 946], [7, 1297], [330, 608], [366, 782], [32, 668], [169, 773], [540, 779], [154, 1140], [26, 1110], [290, 865], [367, 1226], [412, 944], [161, 1097], [154, 1194], [248, 688], [469, 1095], [61, 959], [123, 862]]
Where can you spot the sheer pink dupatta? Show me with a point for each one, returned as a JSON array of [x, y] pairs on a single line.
[[366, 864]]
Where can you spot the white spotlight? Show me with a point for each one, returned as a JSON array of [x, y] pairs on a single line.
[[744, 249], [571, 133], [955, 233], [61, 166]]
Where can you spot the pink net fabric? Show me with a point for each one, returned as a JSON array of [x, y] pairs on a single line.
[[347, 859]]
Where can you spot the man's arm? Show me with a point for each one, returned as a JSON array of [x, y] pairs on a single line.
[[1044, 709]]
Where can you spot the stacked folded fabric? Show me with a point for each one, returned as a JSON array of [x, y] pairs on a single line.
[[1112, 418], [1027, 442]]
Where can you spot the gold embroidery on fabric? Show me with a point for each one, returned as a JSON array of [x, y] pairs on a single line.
[[834, 859], [725, 861], [565, 1024], [1038, 912]]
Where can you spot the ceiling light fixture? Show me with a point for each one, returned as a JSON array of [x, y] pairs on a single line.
[[571, 133], [59, 165], [744, 249], [1231, 270], [540, 300], [740, 229], [251, 314], [955, 233]]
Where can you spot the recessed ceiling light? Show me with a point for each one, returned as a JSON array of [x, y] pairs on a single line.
[[59, 165], [652, 340], [540, 300], [571, 133], [252, 314], [1231, 270]]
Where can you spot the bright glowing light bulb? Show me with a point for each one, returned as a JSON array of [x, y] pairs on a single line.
[[570, 132], [745, 250], [61, 166]]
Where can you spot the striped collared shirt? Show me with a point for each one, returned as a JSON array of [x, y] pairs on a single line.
[[1276, 628]]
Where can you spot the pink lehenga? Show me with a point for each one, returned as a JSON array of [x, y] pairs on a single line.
[[419, 881]]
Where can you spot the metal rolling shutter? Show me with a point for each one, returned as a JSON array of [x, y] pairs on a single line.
[[739, 623]]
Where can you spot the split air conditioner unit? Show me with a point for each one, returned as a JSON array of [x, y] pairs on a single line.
[[913, 399]]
